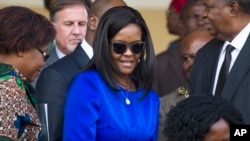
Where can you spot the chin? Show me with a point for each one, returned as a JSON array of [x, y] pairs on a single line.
[[30, 79], [72, 48], [126, 72], [213, 33], [33, 77]]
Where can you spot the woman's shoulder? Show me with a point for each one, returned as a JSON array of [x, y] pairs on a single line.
[[153, 95], [91, 76], [89, 73]]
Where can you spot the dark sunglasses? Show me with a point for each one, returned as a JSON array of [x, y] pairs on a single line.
[[121, 47], [44, 54]]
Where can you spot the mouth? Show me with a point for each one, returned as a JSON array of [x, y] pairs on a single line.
[[127, 63], [75, 40], [207, 26]]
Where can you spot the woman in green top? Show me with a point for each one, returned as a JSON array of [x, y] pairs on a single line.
[[24, 38]]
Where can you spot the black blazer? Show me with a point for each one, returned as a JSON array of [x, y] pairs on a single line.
[[237, 86], [169, 75], [52, 85]]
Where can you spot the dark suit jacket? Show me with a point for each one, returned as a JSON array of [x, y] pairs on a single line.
[[53, 57], [52, 85], [166, 102], [169, 75], [237, 86]]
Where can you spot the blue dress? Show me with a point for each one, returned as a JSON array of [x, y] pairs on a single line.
[[96, 112]]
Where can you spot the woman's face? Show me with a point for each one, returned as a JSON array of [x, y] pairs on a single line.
[[129, 36], [31, 62], [219, 131]]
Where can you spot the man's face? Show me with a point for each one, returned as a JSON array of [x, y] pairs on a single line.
[[70, 24], [172, 18], [217, 16], [189, 48], [192, 19]]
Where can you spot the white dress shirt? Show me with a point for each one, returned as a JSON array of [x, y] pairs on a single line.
[[87, 48], [238, 43]]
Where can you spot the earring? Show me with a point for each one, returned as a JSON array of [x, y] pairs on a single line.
[[139, 60]]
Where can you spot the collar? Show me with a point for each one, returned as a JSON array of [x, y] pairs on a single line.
[[87, 48], [239, 41], [59, 53]]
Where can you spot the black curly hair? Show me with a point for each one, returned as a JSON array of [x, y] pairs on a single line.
[[191, 119]]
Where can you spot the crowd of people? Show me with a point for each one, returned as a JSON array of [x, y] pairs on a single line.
[[93, 64]]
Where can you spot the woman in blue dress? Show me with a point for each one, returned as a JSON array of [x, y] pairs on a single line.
[[112, 99]]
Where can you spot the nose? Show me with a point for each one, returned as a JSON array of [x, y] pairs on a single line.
[[128, 52], [76, 29], [205, 13], [200, 21]]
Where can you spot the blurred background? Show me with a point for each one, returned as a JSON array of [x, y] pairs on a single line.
[[153, 12]]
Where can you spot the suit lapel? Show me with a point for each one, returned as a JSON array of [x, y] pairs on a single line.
[[238, 71], [176, 62], [52, 58], [80, 56], [212, 54]]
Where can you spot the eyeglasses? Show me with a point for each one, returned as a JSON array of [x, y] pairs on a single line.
[[121, 47], [44, 54]]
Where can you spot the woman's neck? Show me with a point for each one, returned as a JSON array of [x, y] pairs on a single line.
[[126, 83]]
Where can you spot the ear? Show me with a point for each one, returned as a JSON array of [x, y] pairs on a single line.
[[234, 7], [53, 23], [93, 22], [20, 53]]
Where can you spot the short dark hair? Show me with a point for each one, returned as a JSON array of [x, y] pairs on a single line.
[[192, 118], [48, 3], [22, 29], [244, 5], [110, 24], [58, 5]]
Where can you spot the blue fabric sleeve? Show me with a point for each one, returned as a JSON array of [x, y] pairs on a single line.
[[81, 110]]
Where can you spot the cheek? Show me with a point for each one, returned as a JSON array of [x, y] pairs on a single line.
[[63, 31], [83, 31], [34, 66], [185, 66], [34, 69], [114, 56], [137, 56]]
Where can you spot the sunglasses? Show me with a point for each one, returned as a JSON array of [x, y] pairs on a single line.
[[44, 54], [121, 47]]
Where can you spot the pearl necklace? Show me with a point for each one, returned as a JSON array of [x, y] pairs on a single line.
[[127, 101]]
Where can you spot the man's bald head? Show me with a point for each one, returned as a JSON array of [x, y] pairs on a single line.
[[190, 45], [99, 7], [196, 39]]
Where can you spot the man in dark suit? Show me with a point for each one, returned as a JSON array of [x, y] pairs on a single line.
[[54, 80], [169, 74], [69, 18], [189, 47], [229, 22]]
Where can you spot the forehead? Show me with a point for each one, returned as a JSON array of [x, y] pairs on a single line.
[[195, 8], [129, 33], [219, 131], [193, 43], [213, 2], [72, 10], [196, 5]]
